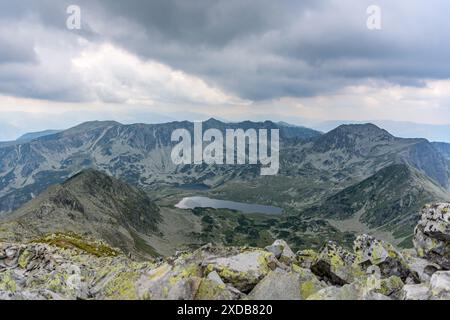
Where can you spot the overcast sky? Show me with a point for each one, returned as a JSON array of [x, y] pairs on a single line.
[[151, 61]]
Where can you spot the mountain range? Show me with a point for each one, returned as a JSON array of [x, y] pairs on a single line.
[[330, 185]]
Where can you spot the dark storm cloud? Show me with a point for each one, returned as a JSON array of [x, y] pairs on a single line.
[[268, 49], [255, 49]]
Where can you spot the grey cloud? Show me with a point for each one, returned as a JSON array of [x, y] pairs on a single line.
[[15, 50], [258, 50], [267, 49]]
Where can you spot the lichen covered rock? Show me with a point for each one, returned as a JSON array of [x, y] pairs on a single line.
[[305, 258], [243, 270], [353, 291], [281, 285], [38, 268], [211, 290], [390, 286], [415, 292], [281, 251], [373, 252], [432, 234], [440, 285], [336, 265], [424, 268]]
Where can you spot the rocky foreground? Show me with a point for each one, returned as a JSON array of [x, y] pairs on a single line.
[[67, 266]]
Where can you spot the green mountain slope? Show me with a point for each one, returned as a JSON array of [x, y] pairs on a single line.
[[90, 203], [391, 198]]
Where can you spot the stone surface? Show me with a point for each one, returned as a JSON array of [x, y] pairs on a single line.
[[440, 285], [281, 285], [281, 251], [432, 234], [336, 265], [390, 286], [389, 262], [214, 276], [243, 270], [354, 291], [211, 290], [305, 258], [422, 267], [278, 286], [415, 292]]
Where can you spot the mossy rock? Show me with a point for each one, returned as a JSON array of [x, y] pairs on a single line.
[[211, 290], [7, 282], [74, 241], [122, 286], [243, 270], [336, 265]]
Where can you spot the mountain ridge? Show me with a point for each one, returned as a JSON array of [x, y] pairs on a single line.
[[93, 204]]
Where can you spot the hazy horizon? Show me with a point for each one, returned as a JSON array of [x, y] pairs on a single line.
[[433, 133]]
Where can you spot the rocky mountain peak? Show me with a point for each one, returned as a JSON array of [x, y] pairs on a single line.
[[365, 131], [93, 178], [94, 204], [363, 128], [357, 138]]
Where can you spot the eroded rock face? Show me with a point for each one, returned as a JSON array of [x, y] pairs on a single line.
[[305, 258], [432, 234], [424, 268], [389, 262], [437, 289], [281, 251], [336, 265]]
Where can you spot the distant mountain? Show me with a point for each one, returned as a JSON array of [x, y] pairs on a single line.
[[90, 203], [28, 137], [355, 152], [34, 135], [354, 139], [404, 129]]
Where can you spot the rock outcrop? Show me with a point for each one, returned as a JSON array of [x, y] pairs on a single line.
[[383, 258], [432, 234], [67, 266], [336, 265]]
